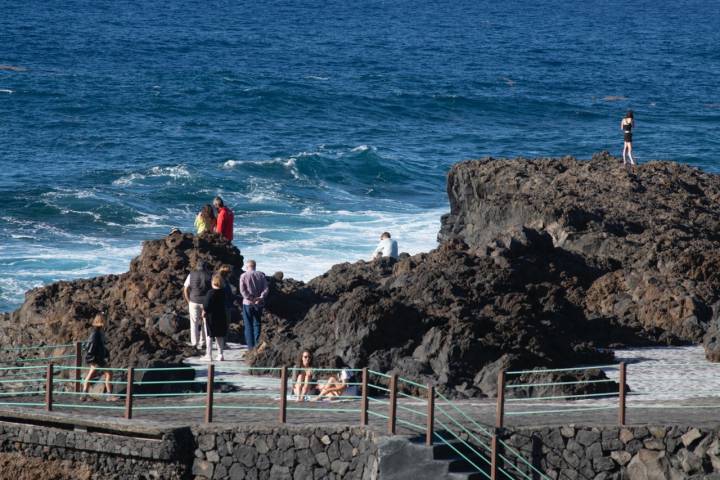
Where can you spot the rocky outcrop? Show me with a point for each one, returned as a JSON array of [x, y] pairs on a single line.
[[147, 316], [540, 263], [653, 232], [453, 316]]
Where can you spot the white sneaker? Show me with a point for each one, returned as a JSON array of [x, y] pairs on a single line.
[[206, 358]]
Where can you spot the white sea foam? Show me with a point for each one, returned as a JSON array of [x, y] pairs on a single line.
[[175, 173], [310, 251], [6, 90], [316, 77], [362, 148]]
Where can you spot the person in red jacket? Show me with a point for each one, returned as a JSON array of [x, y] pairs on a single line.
[[225, 219]]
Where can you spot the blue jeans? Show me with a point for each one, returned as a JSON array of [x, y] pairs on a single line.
[[251, 324]]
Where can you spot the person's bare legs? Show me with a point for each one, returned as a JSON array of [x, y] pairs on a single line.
[[88, 377], [108, 378], [629, 148], [209, 343], [625, 149], [221, 344]]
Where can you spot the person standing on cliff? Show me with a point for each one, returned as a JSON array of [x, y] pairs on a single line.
[[626, 125], [254, 290], [196, 287], [225, 219], [386, 248]]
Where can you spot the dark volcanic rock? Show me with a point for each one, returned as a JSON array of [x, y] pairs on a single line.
[[445, 317], [654, 232], [540, 263], [147, 315]]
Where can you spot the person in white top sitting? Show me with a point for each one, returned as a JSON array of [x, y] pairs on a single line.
[[386, 248]]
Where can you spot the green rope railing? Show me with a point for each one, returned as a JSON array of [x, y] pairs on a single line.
[[458, 452], [553, 370], [563, 397], [549, 384]]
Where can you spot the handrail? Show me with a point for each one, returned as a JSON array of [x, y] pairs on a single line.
[[460, 428]]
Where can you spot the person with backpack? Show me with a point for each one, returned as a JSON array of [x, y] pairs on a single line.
[[97, 356], [225, 219]]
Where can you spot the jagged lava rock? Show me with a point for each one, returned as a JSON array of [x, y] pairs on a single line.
[[451, 317], [147, 315], [654, 231]]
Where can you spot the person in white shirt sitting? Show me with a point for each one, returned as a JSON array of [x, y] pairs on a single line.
[[386, 248]]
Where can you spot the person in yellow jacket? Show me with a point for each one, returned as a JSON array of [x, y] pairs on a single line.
[[205, 220]]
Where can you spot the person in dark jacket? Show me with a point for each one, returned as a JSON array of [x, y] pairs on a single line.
[[225, 271], [196, 287], [97, 356], [215, 318]]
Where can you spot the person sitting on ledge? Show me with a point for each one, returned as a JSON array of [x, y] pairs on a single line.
[[386, 248], [97, 356], [303, 380], [337, 388]]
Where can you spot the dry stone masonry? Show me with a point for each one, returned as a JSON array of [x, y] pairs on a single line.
[[632, 453]]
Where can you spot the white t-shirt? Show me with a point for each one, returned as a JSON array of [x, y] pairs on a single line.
[[387, 248]]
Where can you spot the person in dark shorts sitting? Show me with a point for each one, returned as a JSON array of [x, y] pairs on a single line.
[[97, 356]]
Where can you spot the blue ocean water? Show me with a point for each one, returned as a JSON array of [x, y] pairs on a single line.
[[322, 124]]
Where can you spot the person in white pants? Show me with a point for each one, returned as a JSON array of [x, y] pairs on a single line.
[[197, 284]]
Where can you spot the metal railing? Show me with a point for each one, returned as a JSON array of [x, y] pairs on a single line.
[[389, 398]]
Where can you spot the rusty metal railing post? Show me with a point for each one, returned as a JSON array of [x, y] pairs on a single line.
[[364, 398], [78, 365], [500, 412], [283, 394], [129, 393], [621, 412], [494, 459], [49, 388], [210, 388], [392, 414], [430, 416]]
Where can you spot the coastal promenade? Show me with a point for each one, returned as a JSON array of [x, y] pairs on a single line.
[[660, 392], [411, 425]]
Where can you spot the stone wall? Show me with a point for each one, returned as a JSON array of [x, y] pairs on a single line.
[[117, 455], [634, 453], [290, 452], [120, 450]]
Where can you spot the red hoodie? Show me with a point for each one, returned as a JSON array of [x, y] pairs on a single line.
[[224, 224]]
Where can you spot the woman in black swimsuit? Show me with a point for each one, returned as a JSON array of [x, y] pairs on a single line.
[[626, 125]]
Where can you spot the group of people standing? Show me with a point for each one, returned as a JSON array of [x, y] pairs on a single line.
[[210, 300]]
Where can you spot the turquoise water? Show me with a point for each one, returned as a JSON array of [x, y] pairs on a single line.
[[322, 124]]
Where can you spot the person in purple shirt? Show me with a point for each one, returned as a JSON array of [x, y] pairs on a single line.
[[254, 290]]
